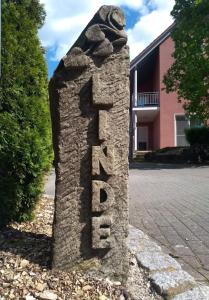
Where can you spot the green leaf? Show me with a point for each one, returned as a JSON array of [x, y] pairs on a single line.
[[25, 129]]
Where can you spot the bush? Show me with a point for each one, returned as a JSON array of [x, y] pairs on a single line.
[[25, 133], [198, 136], [193, 154], [167, 155], [198, 139]]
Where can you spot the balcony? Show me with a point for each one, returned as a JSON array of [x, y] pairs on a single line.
[[148, 99], [147, 106]]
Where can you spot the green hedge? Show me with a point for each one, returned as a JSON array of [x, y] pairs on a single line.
[[193, 154], [197, 136], [25, 132], [198, 139]]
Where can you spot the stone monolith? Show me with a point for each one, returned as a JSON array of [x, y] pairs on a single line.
[[89, 98]]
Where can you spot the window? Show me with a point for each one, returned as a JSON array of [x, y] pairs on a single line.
[[181, 124]]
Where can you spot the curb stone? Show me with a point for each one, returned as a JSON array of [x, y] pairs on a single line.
[[165, 273], [169, 284], [157, 261], [198, 293]]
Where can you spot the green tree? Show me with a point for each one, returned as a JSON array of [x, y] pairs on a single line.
[[189, 74], [25, 132]]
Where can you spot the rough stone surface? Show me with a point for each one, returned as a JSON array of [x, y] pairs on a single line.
[[93, 77], [172, 283], [198, 293], [140, 242], [156, 261]]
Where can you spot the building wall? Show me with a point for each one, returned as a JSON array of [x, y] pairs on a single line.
[[151, 84], [169, 105], [145, 87], [156, 77], [156, 122], [156, 133]]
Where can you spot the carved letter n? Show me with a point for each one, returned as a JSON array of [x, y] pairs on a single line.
[[106, 161]]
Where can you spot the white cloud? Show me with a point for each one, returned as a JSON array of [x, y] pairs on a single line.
[[150, 26], [163, 4], [67, 18]]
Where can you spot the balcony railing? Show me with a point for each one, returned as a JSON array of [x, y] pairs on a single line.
[[148, 99]]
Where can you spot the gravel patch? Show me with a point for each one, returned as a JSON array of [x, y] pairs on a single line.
[[138, 285], [25, 274]]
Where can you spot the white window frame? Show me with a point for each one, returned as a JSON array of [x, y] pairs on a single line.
[[175, 128]]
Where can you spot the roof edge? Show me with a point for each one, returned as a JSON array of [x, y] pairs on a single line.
[[164, 35]]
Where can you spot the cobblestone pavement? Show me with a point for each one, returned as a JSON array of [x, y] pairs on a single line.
[[171, 204]]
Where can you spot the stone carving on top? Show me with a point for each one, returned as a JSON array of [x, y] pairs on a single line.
[[100, 38]]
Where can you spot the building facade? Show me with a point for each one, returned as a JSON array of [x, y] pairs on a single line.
[[157, 118]]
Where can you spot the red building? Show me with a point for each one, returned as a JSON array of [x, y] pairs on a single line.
[[158, 119]]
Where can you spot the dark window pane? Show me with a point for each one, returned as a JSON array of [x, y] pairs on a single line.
[[181, 124], [181, 118], [181, 141]]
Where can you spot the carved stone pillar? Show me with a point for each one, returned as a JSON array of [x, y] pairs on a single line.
[[89, 98]]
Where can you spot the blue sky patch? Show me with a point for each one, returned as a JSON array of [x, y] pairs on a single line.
[[52, 64], [132, 16]]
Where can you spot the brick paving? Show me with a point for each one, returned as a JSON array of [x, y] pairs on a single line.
[[171, 204]]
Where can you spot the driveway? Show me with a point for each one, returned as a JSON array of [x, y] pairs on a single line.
[[171, 204]]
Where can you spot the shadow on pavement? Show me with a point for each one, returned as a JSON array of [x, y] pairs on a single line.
[[158, 166]]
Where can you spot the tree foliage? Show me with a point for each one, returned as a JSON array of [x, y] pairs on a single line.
[[25, 134], [189, 74]]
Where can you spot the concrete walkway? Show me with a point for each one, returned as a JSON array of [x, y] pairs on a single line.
[[171, 204], [49, 189]]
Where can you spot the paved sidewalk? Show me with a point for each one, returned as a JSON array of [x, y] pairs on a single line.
[[171, 204], [49, 188]]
